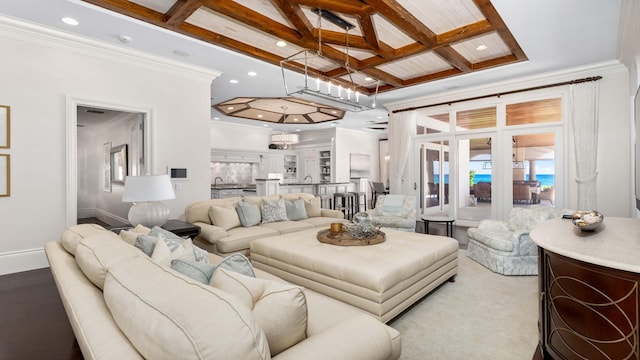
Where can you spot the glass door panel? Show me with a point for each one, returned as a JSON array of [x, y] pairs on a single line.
[[434, 177], [475, 169], [533, 169]]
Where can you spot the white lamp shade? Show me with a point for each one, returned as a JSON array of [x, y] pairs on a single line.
[[148, 188]]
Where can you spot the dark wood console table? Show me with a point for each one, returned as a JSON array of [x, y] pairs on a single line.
[[589, 290], [178, 227]]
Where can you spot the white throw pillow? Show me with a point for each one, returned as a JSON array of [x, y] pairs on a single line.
[[224, 217], [96, 253], [166, 315], [73, 234], [280, 309], [313, 207], [130, 236], [163, 255]]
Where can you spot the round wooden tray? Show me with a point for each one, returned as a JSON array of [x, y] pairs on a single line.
[[344, 239]]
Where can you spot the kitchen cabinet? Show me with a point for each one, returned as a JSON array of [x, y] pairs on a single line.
[[324, 163], [225, 193], [290, 168]]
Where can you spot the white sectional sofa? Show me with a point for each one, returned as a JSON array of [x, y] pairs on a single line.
[[222, 231], [122, 304]]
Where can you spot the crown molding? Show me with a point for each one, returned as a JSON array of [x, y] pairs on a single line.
[[28, 32]]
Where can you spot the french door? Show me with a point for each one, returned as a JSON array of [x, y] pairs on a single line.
[[434, 176]]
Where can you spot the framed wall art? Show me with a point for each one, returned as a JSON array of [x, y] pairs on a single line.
[[5, 175], [106, 168], [5, 127]]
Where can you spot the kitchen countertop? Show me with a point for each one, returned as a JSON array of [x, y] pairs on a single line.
[[232, 186]]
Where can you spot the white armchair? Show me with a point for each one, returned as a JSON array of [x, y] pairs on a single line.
[[505, 247], [395, 211]]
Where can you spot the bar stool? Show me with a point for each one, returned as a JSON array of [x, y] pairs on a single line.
[[326, 201], [360, 195], [346, 205]]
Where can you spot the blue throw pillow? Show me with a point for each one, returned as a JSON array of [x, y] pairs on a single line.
[[295, 210], [237, 263], [196, 270], [249, 213], [147, 243]]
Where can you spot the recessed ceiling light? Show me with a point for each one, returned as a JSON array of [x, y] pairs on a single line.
[[252, 73], [70, 21], [230, 108], [368, 78], [281, 43], [297, 129], [233, 81], [216, 118], [333, 124], [265, 125], [295, 119], [260, 115], [481, 47], [334, 112], [181, 53]]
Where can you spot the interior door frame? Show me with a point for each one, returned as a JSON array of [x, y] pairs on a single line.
[[72, 104]]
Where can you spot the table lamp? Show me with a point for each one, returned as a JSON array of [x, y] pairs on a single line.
[[146, 193]]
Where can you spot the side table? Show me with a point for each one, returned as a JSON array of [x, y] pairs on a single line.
[[447, 220], [178, 227]]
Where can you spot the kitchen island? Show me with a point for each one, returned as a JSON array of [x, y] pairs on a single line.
[[589, 289]]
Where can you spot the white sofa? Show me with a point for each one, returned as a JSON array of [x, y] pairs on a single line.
[[123, 305], [225, 234]]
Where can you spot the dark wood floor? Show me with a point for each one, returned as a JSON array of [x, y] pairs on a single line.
[[34, 324]]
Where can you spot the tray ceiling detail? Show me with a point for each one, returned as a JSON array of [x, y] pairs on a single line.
[[398, 42]]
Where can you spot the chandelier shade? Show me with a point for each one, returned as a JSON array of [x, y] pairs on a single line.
[[285, 139]]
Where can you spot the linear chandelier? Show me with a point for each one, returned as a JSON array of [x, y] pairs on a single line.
[[342, 92]]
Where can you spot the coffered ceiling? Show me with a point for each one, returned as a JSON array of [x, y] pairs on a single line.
[[388, 44], [553, 35]]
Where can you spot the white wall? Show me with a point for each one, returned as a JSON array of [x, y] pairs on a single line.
[[239, 137], [39, 69], [349, 142]]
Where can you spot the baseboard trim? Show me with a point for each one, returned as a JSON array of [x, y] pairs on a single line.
[[86, 213], [109, 218], [23, 260]]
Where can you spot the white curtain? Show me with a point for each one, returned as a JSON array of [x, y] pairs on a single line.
[[584, 121], [402, 126]]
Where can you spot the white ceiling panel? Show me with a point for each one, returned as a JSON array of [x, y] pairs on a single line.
[[442, 16], [417, 65], [495, 48]]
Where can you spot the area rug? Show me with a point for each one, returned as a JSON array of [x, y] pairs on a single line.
[[482, 315]]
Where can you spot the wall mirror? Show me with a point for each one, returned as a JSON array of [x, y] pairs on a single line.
[[119, 164]]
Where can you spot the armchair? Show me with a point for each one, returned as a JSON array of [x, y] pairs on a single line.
[[521, 192], [395, 211], [505, 247], [482, 190]]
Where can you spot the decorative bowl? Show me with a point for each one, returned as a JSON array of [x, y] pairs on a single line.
[[587, 220]]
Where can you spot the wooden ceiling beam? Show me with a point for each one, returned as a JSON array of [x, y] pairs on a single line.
[[464, 32], [490, 12], [228, 43], [131, 9], [256, 20], [369, 31], [495, 62], [296, 17], [404, 20], [341, 6], [454, 58], [180, 11]]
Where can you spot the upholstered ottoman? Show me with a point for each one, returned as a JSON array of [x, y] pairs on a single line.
[[382, 279]]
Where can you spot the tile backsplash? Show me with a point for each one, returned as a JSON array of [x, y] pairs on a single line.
[[243, 173]]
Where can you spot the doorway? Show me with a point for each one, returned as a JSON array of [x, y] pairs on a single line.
[[86, 149]]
